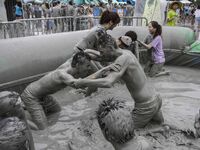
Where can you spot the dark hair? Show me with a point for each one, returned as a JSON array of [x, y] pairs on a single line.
[[107, 40], [107, 47], [157, 27], [132, 35], [115, 121], [47, 5], [198, 6], [78, 58], [108, 16], [70, 2], [19, 4]]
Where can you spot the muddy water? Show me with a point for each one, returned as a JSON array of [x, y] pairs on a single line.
[[77, 129]]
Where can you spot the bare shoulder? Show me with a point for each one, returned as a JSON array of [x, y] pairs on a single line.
[[127, 55], [66, 64], [124, 58]]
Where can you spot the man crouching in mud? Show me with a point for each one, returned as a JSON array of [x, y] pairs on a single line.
[[35, 96], [117, 125], [126, 67]]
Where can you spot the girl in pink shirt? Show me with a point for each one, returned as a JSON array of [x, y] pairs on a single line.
[[155, 47]]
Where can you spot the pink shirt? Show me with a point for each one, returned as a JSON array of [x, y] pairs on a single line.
[[158, 53]]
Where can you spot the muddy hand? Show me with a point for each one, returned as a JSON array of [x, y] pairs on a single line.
[[78, 83]]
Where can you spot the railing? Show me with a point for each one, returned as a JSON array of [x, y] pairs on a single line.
[[40, 26]]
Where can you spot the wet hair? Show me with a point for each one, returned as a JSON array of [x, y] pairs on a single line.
[[128, 2], [79, 58], [108, 16], [8, 103], [157, 27], [132, 35], [115, 121], [107, 48]]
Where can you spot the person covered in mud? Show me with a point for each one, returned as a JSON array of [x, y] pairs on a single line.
[[129, 43], [14, 130], [126, 66], [35, 96], [134, 45], [116, 122], [156, 56], [108, 21]]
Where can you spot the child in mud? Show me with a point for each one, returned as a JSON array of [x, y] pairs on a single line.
[[117, 125], [35, 96], [156, 56], [125, 66]]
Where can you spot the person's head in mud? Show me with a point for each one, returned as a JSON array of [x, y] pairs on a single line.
[[82, 64], [124, 42], [155, 29], [10, 105], [108, 49], [109, 20], [115, 121]]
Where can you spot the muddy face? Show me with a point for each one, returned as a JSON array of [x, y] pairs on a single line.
[[8, 102], [85, 68]]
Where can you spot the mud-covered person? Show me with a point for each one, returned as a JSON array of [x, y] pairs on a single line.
[[116, 122], [35, 96], [108, 21], [125, 66], [14, 130], [93, 40], [129, 43]]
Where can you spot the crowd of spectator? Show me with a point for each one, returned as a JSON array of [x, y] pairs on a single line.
[[61, 15], [59, 9]]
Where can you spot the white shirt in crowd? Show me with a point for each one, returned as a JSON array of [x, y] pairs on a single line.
[[197, 13]]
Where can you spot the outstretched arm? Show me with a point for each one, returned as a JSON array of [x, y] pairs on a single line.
[[106, 82], [110, 74], [148, 46]]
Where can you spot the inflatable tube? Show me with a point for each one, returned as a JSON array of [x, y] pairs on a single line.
[[173, 37], [29, 56]]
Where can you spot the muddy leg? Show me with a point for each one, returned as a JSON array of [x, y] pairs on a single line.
[[35, 109], [158, 117], [50, 105]]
